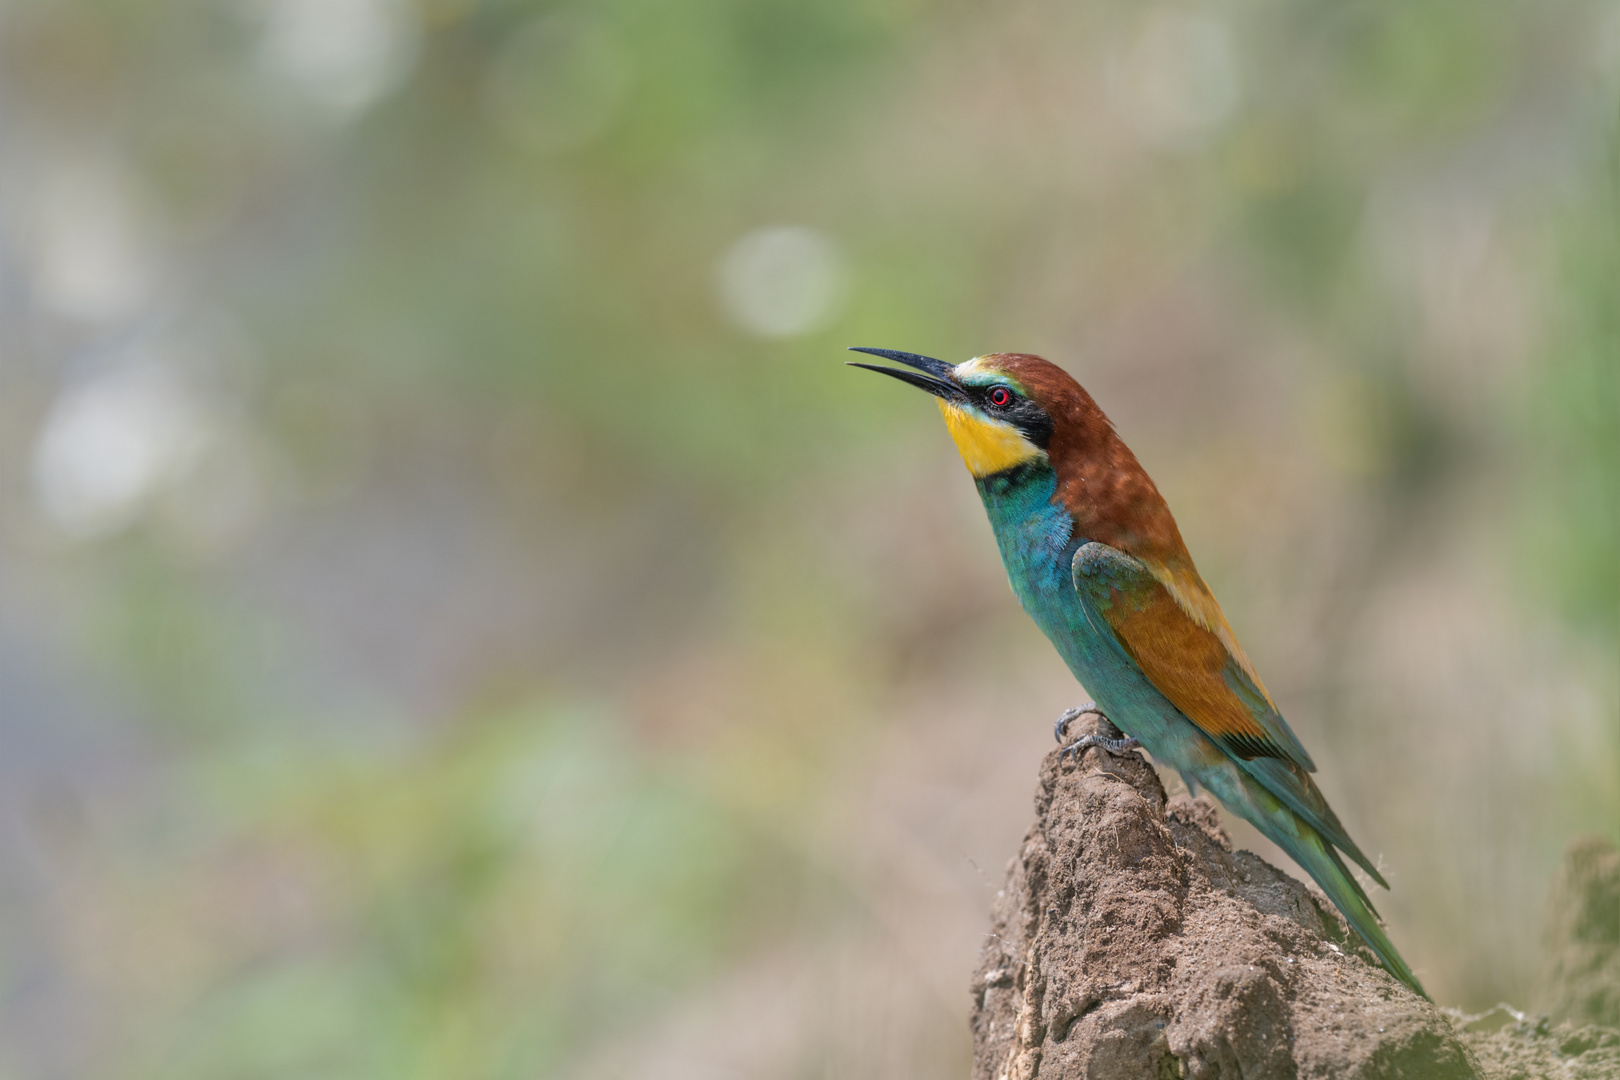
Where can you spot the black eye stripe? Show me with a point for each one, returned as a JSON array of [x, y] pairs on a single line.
[[1020, 411]]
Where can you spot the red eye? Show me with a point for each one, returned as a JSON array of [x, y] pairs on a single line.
[[1000, 397]]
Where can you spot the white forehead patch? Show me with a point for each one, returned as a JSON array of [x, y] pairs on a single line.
[[969, 367]]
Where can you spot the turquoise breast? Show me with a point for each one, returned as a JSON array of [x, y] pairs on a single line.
[[1037, 539]]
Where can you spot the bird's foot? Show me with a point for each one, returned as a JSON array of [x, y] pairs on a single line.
[[1086, 742], [1070, 716]]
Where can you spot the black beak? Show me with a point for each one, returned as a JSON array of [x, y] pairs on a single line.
[[937, 381]]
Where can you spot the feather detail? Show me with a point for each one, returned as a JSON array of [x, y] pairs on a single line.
[[1187, 662], [1192, 596]]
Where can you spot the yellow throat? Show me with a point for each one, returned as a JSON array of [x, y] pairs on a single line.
[[987, 446]]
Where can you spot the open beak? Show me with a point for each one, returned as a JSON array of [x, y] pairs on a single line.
[[936, 381]]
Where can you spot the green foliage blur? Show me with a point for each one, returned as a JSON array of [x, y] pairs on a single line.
[[461, 619]]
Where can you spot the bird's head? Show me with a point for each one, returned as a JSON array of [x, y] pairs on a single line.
[[1001, 409], [1010, 409]]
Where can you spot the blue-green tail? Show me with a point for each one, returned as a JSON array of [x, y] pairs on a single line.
[[1307, 847]]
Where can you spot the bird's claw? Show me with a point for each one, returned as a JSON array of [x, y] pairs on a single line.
[[1086, 742], [1070, 716]]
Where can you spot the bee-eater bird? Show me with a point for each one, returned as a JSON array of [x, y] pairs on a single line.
[[1096, 560]]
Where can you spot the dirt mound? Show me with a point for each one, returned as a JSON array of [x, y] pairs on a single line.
[[1131, 941]]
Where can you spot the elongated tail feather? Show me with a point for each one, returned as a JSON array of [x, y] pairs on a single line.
[[1309, 849], [1293, 785]]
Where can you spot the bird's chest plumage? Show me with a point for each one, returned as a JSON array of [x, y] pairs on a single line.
[[1037, 541]]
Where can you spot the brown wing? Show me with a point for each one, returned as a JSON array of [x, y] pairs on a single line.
[[1190, 664]]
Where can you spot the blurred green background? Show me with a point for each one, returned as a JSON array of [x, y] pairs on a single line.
[[462, 620]]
